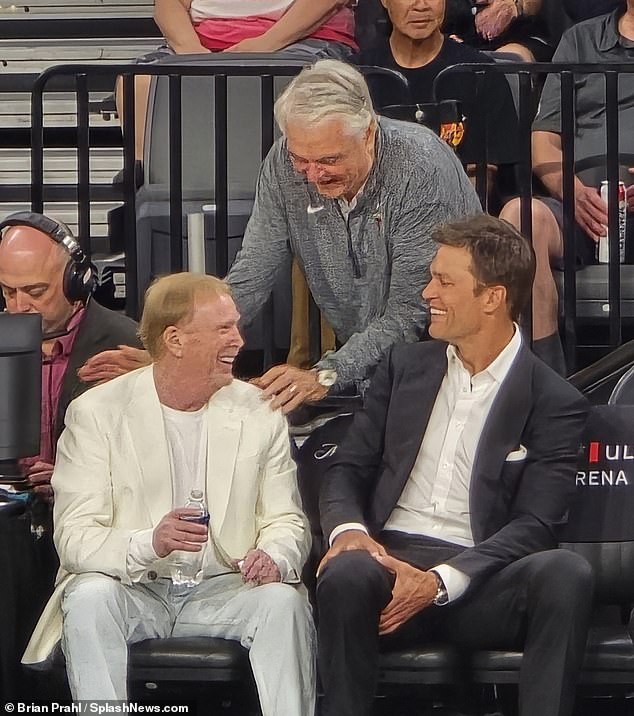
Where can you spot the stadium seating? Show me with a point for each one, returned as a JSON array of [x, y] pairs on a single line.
[[34, 36]]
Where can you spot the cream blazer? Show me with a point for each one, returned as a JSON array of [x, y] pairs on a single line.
[[112, 479]]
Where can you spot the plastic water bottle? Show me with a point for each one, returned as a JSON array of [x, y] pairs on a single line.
[[187, 566]]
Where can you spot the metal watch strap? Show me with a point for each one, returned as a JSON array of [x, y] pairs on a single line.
[[442, 596]]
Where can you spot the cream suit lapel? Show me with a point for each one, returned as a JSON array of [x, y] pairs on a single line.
[[224, 429], [147, 433]]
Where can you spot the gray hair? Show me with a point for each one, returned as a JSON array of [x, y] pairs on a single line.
[[327, 88]]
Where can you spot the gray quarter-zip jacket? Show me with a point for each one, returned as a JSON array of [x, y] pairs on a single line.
[[366, 272]]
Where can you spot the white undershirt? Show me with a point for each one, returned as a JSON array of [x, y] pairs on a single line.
[[186, 434], [435, 499]]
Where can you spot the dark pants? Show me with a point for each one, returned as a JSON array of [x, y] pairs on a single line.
[[540, 603]]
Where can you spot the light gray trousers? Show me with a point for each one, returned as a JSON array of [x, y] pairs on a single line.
[[274, 621]]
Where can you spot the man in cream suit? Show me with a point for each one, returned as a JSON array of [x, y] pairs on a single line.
[[443, 503], [132, 451]]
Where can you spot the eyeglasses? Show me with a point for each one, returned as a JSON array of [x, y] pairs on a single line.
[[325, 163]]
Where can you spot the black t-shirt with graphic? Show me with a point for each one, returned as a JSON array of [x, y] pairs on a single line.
[[492, 102]]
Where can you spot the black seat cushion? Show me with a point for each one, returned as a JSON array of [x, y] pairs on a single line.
[[609, 648], [429, 663], [609, 658], [228, 658]]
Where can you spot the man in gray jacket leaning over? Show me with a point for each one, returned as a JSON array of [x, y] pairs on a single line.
[[354, 198]]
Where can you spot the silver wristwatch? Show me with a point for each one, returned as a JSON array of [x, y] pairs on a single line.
[[327, 377], [442, 597]]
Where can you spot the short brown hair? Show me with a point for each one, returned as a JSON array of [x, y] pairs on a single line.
[[500, 255], [170, 301]]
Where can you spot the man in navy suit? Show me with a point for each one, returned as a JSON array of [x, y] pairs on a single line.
[[442, 505]]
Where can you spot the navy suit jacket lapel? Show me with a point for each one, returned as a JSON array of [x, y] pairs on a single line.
[[415, 397], [501, 434]]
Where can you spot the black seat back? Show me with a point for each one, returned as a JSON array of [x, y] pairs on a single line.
[[623, 393], [600, 525]]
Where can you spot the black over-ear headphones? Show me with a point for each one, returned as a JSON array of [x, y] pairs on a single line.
[[79, 275]]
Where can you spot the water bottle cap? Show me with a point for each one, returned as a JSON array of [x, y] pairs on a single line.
[[196, 494]]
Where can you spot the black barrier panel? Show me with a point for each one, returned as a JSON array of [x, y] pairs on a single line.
[[604, 500], [529, 76]]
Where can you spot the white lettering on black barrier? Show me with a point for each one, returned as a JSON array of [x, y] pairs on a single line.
[[601, 478]]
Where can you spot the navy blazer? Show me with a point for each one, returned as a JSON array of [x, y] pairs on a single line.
[[516, 507]]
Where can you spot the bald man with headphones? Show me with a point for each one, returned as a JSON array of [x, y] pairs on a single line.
[[44, 270]]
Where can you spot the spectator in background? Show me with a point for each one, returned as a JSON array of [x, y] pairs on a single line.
[[317, 28], [354, 198], [43, 270], [501, 25], [132, 452], [418, 49], [609, 38]]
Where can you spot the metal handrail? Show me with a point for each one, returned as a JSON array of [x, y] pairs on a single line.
[[527, 73]]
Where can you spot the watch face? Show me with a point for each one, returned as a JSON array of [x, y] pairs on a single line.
[[327, 378]]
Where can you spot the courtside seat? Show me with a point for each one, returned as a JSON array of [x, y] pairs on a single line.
[[609, 655], [204, 659], [426, 664], [200, 659], [609, 659], [154, 663], [593, 288]]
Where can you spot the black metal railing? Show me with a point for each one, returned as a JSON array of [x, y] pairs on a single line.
[[529, 75], [86, 77], [83, 75]]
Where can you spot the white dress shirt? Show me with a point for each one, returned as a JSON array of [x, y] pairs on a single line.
[[435, 499]]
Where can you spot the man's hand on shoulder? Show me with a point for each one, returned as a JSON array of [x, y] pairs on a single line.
[[259, 568], [39, 476], [352, 540], [413, 591], [173, 533], [288, 387], [110, 364]]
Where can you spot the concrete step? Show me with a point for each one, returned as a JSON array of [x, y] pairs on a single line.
[[76, 9], [55, 52], [60, 166], [67, 212]]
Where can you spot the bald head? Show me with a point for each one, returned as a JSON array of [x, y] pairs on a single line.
[[24, 244], [31, 276]]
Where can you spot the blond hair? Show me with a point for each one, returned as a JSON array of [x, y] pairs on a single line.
[[170, 301]]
